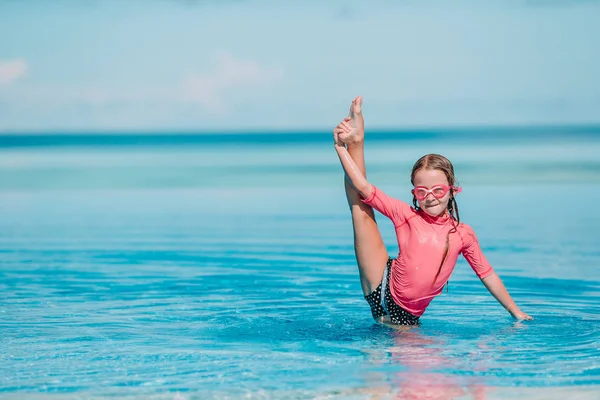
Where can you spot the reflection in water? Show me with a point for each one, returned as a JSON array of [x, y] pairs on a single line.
[[417, 364]]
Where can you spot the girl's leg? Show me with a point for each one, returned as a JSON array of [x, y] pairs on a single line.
[[371, 253]]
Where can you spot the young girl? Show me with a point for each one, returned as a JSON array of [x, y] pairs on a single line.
[[430, 235]]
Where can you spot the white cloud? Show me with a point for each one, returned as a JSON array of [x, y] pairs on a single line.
[[205, 94], [12, 70], [210, 89]]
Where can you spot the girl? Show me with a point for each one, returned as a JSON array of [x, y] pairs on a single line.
[[430, 235]]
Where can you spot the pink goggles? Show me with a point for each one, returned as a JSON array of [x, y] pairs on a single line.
[[438, 191]]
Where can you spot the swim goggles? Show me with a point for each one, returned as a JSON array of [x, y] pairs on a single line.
[[438, 191]]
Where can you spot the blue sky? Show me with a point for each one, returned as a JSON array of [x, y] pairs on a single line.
[[235, 65]]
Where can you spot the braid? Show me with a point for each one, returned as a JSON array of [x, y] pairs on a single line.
[[452, 209]]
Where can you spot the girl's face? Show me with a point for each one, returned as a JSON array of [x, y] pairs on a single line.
[[429, 178]]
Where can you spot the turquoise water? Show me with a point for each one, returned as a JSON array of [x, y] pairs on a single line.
[[222, 267]]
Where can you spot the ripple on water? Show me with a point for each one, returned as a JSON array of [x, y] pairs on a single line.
[[145, 303]]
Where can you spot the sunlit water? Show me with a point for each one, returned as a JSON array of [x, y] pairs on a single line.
[[223, 270]]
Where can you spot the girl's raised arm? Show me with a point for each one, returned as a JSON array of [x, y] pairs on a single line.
[[353, 174], [392, 208]]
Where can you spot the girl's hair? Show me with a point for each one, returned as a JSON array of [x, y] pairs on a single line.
[[439, 162]]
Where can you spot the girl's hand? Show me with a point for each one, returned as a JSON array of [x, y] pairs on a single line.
[[342, 128], [520, 315], [355, 122], [352, 129]]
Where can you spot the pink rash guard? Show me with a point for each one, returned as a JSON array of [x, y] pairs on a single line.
[[421, 243]]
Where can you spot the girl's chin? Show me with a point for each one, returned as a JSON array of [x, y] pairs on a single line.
[[433, 211]]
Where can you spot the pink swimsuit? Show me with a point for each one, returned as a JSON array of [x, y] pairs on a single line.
[[421, 242]]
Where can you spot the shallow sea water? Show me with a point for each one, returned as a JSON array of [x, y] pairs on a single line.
[[225, 269]]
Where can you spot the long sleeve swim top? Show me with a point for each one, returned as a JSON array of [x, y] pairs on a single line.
[[421, 243]]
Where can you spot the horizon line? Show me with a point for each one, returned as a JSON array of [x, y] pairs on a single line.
[[306, 130]]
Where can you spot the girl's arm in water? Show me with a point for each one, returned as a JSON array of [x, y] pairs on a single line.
[[494, 284], [353, 174], [472, 252]]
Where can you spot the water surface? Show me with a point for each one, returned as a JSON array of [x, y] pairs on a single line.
[[225, 269]]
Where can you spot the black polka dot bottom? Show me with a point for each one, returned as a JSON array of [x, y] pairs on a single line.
[[397, 314]]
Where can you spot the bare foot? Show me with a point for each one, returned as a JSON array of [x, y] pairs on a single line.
[[356, 123]]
